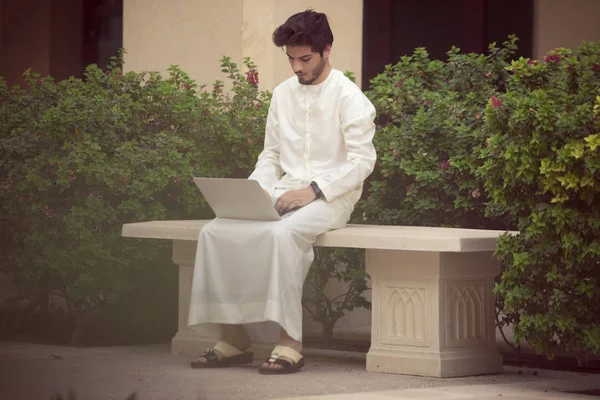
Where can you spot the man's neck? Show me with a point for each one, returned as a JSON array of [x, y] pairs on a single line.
[[323, 75]]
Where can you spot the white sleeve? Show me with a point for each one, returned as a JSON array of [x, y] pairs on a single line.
[[358, 130], [268, 169]]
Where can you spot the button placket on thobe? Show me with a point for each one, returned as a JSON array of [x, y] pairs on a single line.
[[307, 135]]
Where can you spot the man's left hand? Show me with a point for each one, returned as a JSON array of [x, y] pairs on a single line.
[[295, 199]]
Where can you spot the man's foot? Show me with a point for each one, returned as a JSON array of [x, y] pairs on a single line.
[[283, 360], [290, 354], [222, 355]]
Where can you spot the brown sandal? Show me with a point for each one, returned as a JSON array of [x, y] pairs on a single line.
[[232, 357], [289, 359]]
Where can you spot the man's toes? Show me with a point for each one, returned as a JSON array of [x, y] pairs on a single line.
[[271, 366]]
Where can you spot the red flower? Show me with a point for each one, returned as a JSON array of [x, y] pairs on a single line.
[[496, 102], [38, 81], [252, 77], [427, 103], [597, 67], [408, 188], [445, 164], [48, 211], [532, 62], [400, 83], [176, 179], [586, 168], [9, 186], [186, 86], [554, 58]]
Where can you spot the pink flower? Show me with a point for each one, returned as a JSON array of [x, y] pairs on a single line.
[[408, 188], [496, 102], [427, 103], [186, 86], [445, 164], [554, 58], [597, 67], [400, 83], [586, 168], [38, 81], [252, 77], [532, 62]]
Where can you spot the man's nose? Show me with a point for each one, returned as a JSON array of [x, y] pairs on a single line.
[[296, 67]]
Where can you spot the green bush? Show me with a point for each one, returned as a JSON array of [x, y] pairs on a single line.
[[78, 158], [430, 138], [542, 170], [342, 265]]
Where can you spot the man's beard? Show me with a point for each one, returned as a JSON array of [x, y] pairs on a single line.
[[315, 72]]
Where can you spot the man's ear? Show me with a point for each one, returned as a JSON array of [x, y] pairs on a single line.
[[327, 51]]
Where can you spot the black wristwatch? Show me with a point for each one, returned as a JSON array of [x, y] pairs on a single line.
[[316, 188]]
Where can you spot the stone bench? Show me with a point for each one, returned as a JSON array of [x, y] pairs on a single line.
[[433, 308]]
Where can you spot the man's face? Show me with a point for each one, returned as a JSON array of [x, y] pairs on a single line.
[[306, 64]]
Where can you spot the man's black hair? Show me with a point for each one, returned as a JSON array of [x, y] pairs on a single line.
[[308, 28]]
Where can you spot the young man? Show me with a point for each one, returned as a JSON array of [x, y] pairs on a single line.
[[318, 151]]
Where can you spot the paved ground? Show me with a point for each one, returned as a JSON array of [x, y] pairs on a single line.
[[32, 371]]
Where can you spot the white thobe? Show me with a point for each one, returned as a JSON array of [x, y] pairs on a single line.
[[253, 271]]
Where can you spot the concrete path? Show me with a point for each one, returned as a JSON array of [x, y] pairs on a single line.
[[34, 371]]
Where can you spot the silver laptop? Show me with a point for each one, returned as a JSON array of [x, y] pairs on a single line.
[[237, 199]]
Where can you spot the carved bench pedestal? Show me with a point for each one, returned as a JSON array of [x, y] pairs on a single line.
[[433, 313]]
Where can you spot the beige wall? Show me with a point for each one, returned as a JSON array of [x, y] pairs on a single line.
[[195, 34], [564, 23]]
